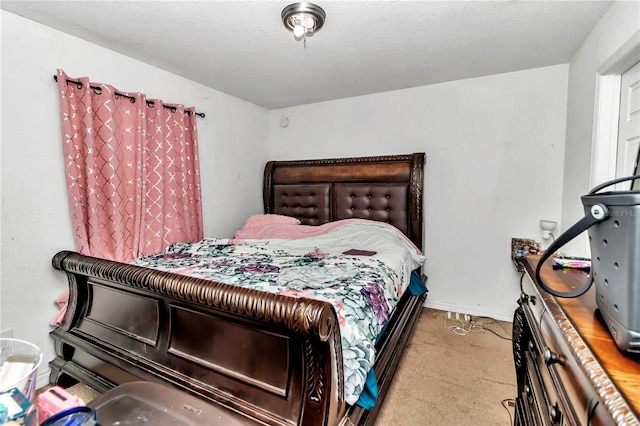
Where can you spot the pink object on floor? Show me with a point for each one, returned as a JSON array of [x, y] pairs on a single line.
[[55, 400], [62, 300]]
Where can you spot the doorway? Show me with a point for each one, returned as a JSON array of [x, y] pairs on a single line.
[[617, 116]]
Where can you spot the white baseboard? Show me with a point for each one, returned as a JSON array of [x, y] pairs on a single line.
[[501, 316], [42, 379]]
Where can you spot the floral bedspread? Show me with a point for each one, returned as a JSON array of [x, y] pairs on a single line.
[[363, 289]]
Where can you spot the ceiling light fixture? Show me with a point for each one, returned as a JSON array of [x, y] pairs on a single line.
[[304, 19]]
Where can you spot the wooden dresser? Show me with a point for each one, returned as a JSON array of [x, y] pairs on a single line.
[[569, 370]]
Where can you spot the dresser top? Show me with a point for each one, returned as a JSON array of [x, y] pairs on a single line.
[[614, 374]]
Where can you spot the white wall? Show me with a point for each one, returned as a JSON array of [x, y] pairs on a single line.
[[35, 214], [494, 147], [621, 22]]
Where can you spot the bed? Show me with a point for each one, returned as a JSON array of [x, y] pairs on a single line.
[[275, 358]]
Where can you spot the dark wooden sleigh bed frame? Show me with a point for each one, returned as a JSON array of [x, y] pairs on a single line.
[[273, 358]]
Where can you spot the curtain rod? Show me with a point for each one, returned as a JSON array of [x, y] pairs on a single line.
[[97, 90]]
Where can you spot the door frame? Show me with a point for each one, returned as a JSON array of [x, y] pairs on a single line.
[[607, 109]]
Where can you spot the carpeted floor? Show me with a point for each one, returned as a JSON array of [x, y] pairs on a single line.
[[443, 378], [451, 379]]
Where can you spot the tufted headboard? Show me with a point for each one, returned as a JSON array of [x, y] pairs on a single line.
[[382, 188]]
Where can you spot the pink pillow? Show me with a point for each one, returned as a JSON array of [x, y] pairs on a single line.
[[268, 219]]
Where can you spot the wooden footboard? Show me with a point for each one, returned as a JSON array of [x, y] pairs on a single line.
[[274, 358]]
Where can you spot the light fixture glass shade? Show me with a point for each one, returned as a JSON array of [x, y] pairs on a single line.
[[303, 18], [298, 31], [308, 22]]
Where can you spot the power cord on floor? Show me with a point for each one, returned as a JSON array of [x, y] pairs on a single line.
[[463, 324], [509, 403], [493, 321], [458, 324]]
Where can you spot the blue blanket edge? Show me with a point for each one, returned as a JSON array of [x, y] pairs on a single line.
[[369, 394]]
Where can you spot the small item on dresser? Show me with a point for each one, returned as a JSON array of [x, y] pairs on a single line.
[[521, 247], [572, 262], [55, 400], [356, 252]]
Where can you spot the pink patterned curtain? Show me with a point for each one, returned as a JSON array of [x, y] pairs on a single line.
[[132, 170]]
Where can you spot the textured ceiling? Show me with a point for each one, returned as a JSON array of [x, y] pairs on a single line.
[[243, 49]]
